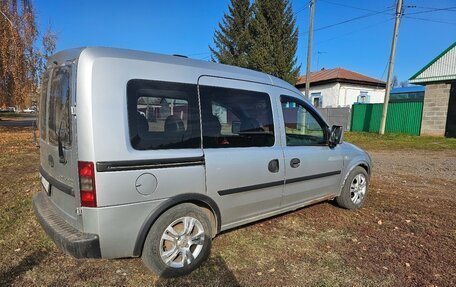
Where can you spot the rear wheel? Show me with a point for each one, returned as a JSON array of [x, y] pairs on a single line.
[[178, 242], [355, 189]]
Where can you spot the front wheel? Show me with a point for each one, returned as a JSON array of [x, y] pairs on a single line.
[[178, 242], [355, 189]]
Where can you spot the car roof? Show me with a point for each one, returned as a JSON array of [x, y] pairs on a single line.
[[216, 68]]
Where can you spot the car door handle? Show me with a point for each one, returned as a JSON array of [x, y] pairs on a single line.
[[273, 166], [295, 162]]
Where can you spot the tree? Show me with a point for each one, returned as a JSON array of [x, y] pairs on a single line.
[[232, 40], [394, 82], [275, 39], [17, 54], [49, 43], [20, 61], [404, 84], [262, 37]]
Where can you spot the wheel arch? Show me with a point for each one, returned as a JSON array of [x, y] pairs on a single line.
[[200, 200], [361, 163]]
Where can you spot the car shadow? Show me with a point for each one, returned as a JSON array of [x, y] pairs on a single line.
[[27, 263], [213, 272]]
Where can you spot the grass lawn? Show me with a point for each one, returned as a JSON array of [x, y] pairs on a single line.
[[404, 236], [374, 141]]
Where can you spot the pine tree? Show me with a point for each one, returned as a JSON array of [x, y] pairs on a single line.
[[274, 39], [232, 40]]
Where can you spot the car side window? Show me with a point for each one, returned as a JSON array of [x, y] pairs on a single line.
[[236, 118], [163, 115], [302, 128]]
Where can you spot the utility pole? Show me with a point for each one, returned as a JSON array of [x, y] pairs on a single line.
[[309, 47], [391, 66]]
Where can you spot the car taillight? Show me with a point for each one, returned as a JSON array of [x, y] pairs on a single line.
[[87, 184]]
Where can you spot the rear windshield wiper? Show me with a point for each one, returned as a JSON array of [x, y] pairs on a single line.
[[62, 158]]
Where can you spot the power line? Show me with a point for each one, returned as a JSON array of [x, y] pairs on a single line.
[[339, 23], [302, 9], [354, 32], [431, 8], [373, 13], [348, 6], [352, 19], [450, 9], [430, 20], [384, 70]]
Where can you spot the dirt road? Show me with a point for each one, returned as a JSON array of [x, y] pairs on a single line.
[[404, 236]]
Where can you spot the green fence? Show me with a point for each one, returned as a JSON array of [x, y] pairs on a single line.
[[402, 117]]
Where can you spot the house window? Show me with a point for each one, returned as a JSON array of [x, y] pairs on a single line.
[[363, 97], [317, 100]]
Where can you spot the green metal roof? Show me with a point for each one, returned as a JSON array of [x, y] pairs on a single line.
[[441, 68]]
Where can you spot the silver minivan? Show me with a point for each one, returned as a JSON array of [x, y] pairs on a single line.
[[151, 155]]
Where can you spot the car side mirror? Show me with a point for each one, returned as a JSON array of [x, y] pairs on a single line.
[[336, 136]]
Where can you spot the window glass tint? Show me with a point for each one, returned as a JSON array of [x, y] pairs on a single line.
[[301, 127], [163, 115], [236, 118], [43, 102], [59, 120]]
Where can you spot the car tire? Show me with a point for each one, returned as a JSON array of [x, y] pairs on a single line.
[[171, 249], [355, 189]]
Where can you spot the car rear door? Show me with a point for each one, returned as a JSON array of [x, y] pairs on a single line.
[[58, 162], [243, 155]]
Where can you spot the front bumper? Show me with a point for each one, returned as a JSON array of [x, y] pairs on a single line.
[[65, 236]]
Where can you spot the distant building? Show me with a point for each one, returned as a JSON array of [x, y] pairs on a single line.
[[407, 94], [439, 109], [341, 88]]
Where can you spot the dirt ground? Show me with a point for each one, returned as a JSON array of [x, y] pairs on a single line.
[[404, 236]]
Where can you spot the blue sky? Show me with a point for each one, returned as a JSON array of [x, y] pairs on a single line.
[[187, 27]]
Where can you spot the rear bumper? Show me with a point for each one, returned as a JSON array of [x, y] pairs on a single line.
[[65, 236]]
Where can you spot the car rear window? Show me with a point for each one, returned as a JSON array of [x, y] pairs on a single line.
[[59, 121], [163, 115], [43, 104]]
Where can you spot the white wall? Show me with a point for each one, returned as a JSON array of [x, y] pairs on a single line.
[[329, 93], [343, 94], [349, 94]]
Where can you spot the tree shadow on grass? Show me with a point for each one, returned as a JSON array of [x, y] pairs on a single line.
[[26, 264]]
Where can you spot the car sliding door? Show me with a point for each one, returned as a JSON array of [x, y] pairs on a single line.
[[244, 161]]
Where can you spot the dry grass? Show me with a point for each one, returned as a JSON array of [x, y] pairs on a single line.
[[408, 220]]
